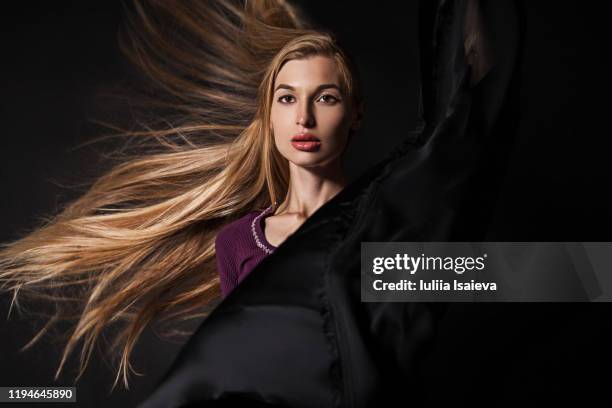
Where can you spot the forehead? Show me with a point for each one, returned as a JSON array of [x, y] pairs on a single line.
[[308, 72]]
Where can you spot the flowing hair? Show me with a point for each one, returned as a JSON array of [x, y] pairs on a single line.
[[138, 245]]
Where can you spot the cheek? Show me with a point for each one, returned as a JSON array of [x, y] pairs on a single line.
[[333, 120], [280, 120]]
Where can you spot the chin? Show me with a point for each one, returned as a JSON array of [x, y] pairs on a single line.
[[312, 162]]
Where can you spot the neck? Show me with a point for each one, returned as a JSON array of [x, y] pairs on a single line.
[[311, 187]]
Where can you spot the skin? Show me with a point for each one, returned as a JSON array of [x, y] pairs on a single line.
[[301, 105]]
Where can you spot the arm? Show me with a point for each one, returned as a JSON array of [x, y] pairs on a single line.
[[228, 274]]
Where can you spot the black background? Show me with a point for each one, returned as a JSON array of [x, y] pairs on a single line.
[[555, 187]]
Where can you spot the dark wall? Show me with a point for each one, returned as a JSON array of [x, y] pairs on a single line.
[[559, 171], [55, 56], [553, 186]]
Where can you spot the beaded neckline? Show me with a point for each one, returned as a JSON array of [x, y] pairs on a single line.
[[261, 242]]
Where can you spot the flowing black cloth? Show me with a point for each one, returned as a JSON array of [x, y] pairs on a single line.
[[295, 333]]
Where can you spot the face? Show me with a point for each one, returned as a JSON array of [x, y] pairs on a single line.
[[308, 104]]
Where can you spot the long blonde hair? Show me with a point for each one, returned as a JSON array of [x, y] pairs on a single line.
[[139, 244]]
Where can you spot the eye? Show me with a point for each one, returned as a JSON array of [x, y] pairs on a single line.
[[285, 99], [329, 99]]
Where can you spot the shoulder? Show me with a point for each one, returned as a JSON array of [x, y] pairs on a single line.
[[236, 231]]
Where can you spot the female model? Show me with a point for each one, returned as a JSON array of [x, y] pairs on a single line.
[[141, 243], [313, 106]]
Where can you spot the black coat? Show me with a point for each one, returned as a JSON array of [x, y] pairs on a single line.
[[295, 333]]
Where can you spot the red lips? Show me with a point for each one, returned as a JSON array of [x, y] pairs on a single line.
[[306, 142]]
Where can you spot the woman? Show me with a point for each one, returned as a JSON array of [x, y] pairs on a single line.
[[295, 332], [313, 104]]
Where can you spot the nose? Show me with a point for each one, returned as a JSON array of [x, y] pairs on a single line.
[[305, 118]]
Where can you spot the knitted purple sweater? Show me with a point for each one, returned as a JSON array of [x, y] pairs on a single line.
[[240, 246]]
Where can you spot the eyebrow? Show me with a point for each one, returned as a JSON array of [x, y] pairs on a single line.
[[319, 88]]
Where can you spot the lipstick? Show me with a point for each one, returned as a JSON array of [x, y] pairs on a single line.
[[306, 142]]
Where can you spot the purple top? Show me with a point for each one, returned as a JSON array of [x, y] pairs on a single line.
[[240, 246]]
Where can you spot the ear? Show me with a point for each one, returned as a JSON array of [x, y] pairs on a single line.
[[357, 116]]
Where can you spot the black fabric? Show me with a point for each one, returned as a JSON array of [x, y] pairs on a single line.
[[294, 333]]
